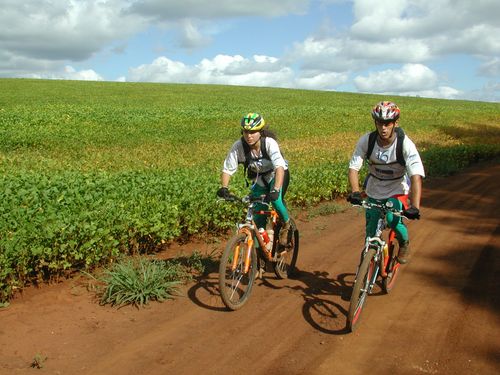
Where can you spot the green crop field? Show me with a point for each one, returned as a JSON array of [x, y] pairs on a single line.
[[91, 170]]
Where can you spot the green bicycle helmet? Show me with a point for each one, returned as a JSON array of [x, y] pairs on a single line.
[[253, 122]]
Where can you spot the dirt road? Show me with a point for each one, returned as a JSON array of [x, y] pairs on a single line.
[[441, 318]]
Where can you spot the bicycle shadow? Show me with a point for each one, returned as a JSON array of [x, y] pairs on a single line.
[[205, 292], [320, 312], [205, 289]]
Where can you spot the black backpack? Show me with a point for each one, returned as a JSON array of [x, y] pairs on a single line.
[[399, 147], [248, 156]]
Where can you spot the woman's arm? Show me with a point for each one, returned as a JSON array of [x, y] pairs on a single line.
[[278, 177], [224, 179]]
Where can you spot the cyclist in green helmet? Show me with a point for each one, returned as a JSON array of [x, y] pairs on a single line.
[[265, 166]]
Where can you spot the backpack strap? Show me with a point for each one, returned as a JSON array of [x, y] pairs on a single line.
[[263, 148], [399, 147], [248, 155], [372, 138], [246, 151], [400, 134]]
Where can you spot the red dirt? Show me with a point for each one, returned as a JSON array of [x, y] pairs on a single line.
[[441, 318]]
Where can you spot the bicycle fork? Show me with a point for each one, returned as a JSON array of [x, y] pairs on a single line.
[[372, 274], [247, 254]]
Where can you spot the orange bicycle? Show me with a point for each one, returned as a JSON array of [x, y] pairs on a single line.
[[242, 261]]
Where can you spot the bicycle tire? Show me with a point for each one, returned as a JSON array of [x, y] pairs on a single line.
[[235, 285], [360, 289], [285, 264], [392, 268]]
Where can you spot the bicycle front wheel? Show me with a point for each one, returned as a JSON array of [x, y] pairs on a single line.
[[287, 257], [361, 289], [235, 283]]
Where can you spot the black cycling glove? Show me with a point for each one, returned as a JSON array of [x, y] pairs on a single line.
[[355, 198], [223, 192], [412, 213], [274, 194]]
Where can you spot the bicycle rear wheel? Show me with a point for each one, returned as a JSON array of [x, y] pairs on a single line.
[[360, 289], [392, 267], [285, 262], [235, 284]]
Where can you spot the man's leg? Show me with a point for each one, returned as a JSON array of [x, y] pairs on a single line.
[[402, 235]]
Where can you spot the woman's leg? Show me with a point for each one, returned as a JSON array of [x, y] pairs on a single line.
[[279, 204], [260, 220]]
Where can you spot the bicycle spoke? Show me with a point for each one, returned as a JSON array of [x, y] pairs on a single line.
[[235, 284], [361, 289]]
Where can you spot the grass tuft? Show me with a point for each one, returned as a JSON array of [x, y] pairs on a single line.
[[138, 281]]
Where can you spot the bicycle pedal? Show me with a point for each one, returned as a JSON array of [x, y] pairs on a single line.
[[278, 254]]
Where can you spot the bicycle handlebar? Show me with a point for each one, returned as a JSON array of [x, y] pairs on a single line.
[[247, 199], [387, 207]]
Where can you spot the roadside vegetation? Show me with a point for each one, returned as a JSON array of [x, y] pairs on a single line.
[[139, 280], [92, 171]]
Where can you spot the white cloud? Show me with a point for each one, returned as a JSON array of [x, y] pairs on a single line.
[[38, 32], [342, 55], [483, 40], [445, 26], [70, 73], [62, 30], [489, 92], [44, 38], [191, 37], [491, 68], [161, 69], [201, 9], [321, 81], [235, 70], [410, 78], [441, 92]]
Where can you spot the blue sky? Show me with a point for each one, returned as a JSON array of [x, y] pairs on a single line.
[[431, 48]]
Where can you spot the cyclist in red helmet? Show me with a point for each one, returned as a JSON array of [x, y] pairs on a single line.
[[395, 173], [265, 166]]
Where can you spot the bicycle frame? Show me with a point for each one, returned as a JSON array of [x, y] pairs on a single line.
[[377, 242], [249, 228], [374, 260]]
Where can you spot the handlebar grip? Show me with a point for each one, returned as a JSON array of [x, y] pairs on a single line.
[[232, 198]]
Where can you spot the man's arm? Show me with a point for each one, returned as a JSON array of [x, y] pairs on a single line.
[[354, 179], [416, 190]]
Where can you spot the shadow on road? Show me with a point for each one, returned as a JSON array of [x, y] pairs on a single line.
[[319, 309]]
